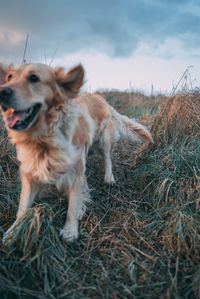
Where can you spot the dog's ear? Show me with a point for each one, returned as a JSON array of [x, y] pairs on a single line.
[[4, 69], [3, 73], [71, 81]]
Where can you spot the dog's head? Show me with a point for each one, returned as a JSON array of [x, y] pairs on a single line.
[[27, 92]]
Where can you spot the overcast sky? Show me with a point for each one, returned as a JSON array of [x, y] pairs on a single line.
[[121, 43]]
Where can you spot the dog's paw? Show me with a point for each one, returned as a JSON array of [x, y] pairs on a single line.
[[69, 233], [109, 179]]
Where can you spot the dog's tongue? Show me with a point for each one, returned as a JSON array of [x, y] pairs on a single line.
[[13, 117]]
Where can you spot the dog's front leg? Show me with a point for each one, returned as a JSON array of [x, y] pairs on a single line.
[[28, 193], [77, 196]]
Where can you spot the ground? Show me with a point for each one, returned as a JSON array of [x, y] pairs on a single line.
[[138, 239]]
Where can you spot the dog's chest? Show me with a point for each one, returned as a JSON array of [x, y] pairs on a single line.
[[47, 163]]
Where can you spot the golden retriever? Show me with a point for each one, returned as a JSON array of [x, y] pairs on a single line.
[[53, 129]]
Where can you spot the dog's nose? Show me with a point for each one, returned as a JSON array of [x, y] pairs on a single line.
[[5, 93]]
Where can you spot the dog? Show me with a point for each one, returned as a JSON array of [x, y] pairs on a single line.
[[53, 128]]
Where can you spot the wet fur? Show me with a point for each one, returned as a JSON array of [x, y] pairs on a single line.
[[55, 148]]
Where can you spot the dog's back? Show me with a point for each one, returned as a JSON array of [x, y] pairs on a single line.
[[96, 106], [104, 115]]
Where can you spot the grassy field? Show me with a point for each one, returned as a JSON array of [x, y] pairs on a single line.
[[138, 239]]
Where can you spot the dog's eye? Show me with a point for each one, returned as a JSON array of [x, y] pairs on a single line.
[[9, 77], [33, 78]]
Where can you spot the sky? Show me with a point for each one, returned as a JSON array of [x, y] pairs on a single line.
[[122, 44]]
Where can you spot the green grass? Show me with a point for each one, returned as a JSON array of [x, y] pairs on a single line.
[[138, 239]]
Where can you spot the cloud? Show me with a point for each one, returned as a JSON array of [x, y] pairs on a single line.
[[115, 28]]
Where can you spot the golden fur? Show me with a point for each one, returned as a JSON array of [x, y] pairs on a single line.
[[54, 145]]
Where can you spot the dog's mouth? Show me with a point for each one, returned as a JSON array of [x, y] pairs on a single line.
[[20, 120]]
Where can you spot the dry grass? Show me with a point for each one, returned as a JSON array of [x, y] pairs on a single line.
[[180, 115], [139, 239], [134, 103]]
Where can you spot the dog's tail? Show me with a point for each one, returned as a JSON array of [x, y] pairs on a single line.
[[130, 129]]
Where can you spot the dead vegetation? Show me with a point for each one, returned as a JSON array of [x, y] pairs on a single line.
[[139, 239], [180, 115]]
